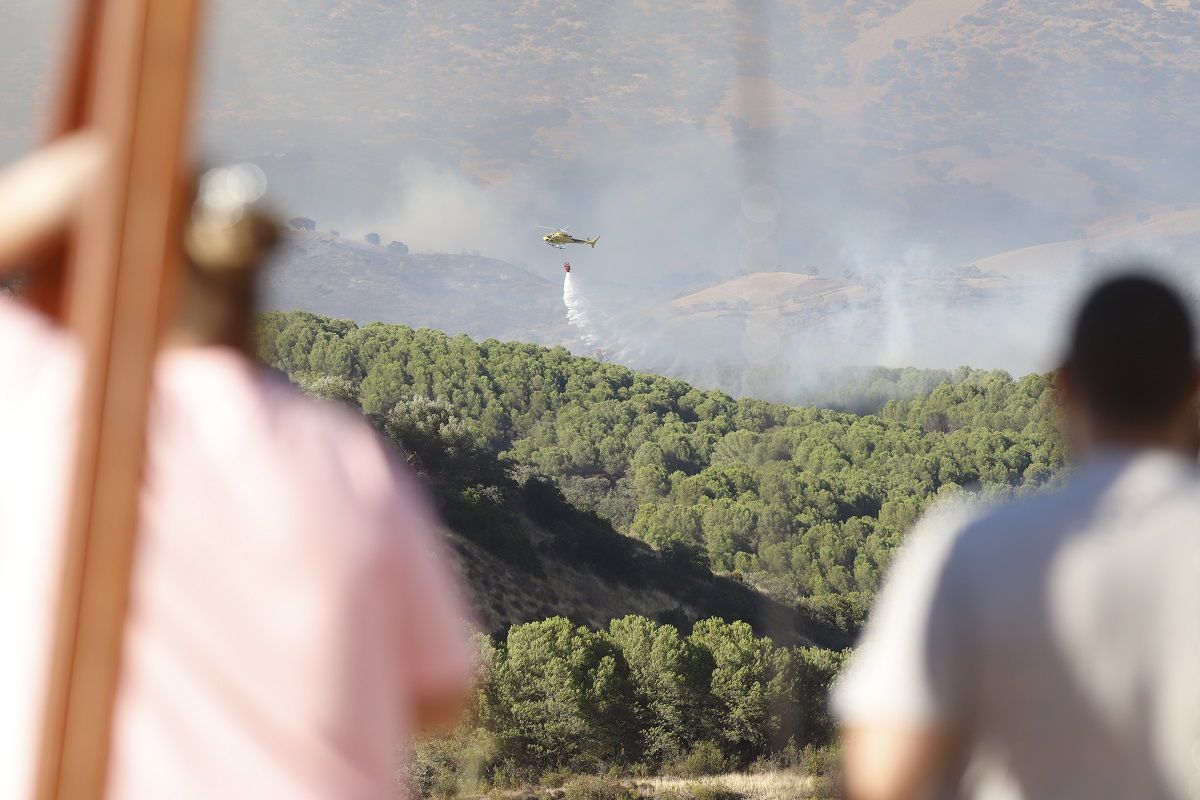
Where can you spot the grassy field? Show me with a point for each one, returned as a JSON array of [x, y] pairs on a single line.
[[773, 785], [782, 785]]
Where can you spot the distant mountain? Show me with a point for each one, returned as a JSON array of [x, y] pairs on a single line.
[[792, 294], [992, 118], [1162, 233], [976, 126], [909, 75]]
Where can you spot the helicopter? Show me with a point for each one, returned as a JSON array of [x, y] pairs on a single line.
[[558, 237]]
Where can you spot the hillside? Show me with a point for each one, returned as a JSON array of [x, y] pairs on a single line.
[[583, 570], [482, 297], [668, 574], [925, 71], [790, 294], [565, 469]]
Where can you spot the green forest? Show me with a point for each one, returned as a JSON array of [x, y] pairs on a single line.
[[804, 504]]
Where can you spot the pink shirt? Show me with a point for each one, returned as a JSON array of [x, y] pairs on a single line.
[[290, 595]]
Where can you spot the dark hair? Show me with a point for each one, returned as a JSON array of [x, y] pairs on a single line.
[[1132, 351]]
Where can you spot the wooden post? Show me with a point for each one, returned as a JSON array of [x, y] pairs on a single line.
[[131, 85]]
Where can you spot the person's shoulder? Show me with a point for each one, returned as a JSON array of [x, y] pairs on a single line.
[[1089, 496], [935, 538], [341, 461], [1001, 537], [1163, 492], [1017, 517], [949, 520], [39, 361], [966, 534], [325, 453], [28, 335], [328, 433], [15, 315]]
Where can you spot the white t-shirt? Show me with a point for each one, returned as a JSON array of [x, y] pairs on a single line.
[[1060, 635], [290, 595]]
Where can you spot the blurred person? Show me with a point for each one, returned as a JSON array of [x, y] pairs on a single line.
[[1051, 648], [292, 617]]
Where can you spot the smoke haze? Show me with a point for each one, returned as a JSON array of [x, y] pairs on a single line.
[[781, 189]]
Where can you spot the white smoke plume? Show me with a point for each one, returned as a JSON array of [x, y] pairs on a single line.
[[440, 208], [579, 311]]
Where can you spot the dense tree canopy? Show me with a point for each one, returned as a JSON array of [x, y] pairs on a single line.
[[805, 503], [557, 696]]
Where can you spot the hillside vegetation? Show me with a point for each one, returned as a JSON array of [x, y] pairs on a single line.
[[803, 503], [638, 696], [753, 535]]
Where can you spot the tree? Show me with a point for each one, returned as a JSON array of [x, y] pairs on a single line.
[[437, 441], [372, 238], [399, 248], [744, 667], [669, 527], [330, 387], [302, 224], [672, 677], [729, 527], [561, 697]]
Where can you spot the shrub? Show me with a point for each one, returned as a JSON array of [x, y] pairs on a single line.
[[705, 758], [555, 778], [826, 789], [698, 790], [710, 791], [762, 766], [507, 774], [433, 769], [824, 764], [823, 760], [595, 787]]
